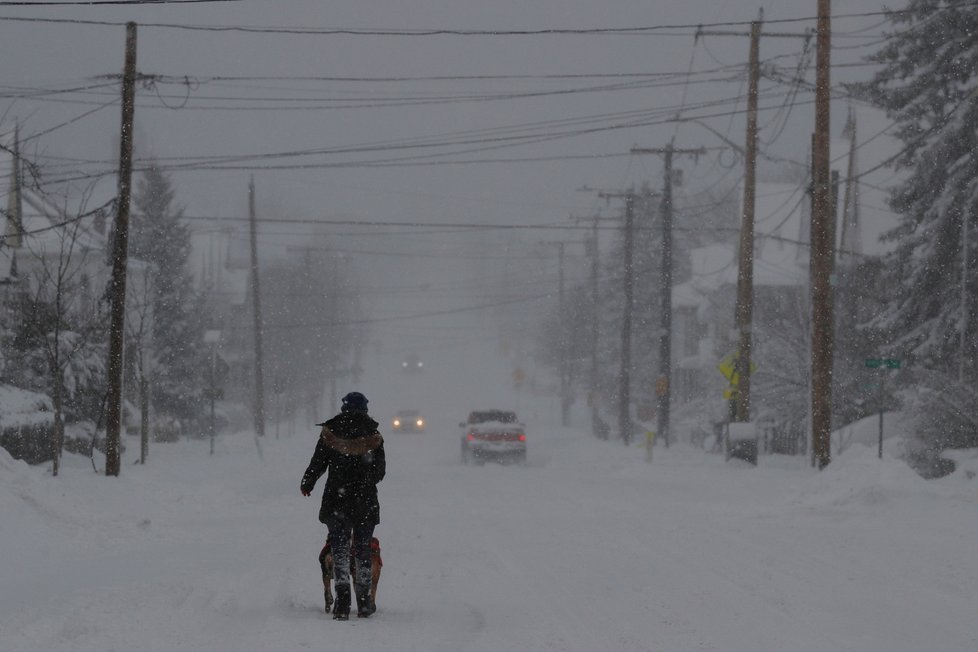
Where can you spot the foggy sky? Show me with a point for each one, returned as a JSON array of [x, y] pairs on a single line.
[[447, 262]]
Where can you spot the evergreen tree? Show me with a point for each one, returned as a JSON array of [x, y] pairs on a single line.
[[159, 236], [927, 86]]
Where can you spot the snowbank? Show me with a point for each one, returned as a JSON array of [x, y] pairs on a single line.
[[19, 407]]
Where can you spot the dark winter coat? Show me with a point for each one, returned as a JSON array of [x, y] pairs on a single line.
[[352, 450]]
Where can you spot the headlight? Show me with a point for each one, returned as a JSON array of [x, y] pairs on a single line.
[[420, 422], [397, 422]]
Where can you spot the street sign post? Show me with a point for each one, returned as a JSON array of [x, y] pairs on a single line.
[[882, 364]]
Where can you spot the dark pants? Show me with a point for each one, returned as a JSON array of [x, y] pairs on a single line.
[[339, 543]]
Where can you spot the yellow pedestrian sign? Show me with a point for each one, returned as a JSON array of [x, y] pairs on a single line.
[[518, 377], [728, 367]]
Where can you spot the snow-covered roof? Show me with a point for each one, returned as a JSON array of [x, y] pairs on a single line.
[[45, 220]]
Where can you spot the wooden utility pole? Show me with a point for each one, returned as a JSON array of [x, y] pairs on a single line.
[[822, 249], [663, 384], [963, 345], [120, 249], [565, 398], [663, 390], [595, 312], [744, 313], [256, 302], [625, 371]]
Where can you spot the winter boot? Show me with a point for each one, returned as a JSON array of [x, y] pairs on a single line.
[[365, 606], [341, 608]]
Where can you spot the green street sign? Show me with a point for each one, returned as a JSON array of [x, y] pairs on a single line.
[[878, 363]]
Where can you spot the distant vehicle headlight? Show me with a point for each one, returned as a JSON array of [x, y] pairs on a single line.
[[420, 422], [397, 423]]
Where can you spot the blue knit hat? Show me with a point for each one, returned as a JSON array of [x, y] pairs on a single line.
[[354, 402]]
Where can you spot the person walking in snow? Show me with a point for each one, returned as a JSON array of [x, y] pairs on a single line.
[[352, 450]]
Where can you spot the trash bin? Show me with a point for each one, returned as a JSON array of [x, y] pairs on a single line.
[[741, 442]]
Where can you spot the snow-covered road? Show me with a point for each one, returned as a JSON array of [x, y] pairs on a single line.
[[587, 548]]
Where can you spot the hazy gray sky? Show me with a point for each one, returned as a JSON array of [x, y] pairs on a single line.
[[285, 97]]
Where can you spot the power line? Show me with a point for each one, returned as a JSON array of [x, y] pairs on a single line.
[[48, 3], [648, 30], [383, 223], [265, 103], [464, 137], [241, 162], [20, 93], [69, 122]]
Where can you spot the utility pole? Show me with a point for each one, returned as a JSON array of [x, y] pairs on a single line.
[[822, 249], [663, 390], [256, 302], [624, 374], [962, 352], [744, 313], [593, 249], [565, 400], [595, 313], [120, 254], [663, 384], [563, 370], [625, 368]]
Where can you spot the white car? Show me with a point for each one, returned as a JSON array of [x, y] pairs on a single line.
[[408, 421], [412, 363], [493, 435]]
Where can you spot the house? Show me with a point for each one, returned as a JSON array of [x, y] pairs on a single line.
[[51, 246], [44, 231], [704, 306]]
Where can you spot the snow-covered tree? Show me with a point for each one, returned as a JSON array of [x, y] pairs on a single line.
[[159, 236], [57, 349], [927, 86]]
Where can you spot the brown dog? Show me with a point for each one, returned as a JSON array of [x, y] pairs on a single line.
[[326, 564]]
